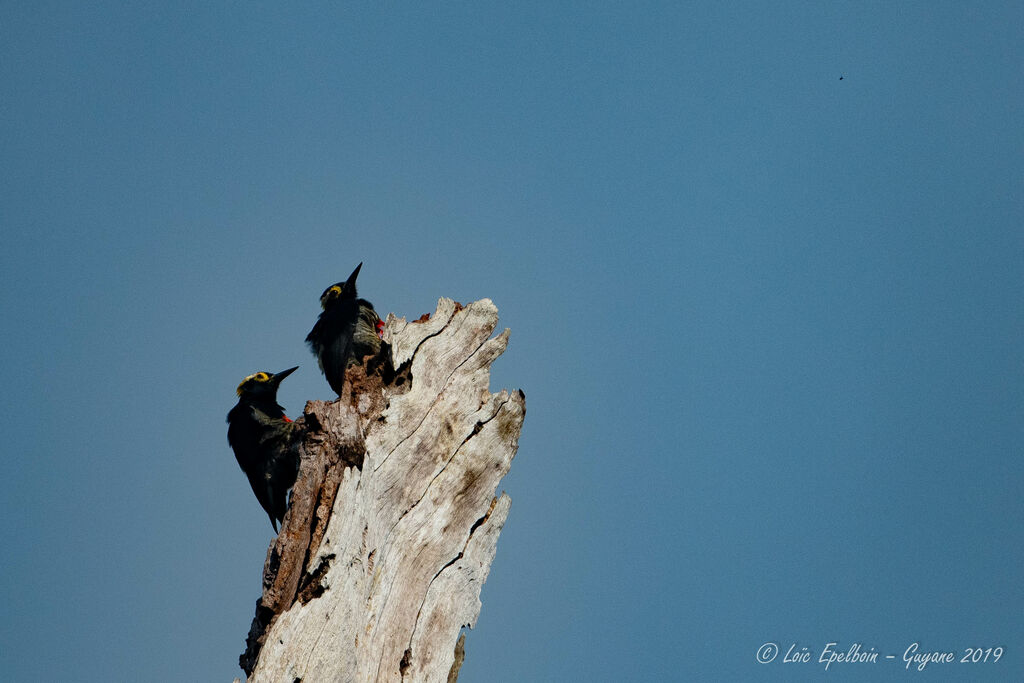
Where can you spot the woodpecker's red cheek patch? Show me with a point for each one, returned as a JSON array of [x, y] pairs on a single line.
[[380, 329], [286, 418]]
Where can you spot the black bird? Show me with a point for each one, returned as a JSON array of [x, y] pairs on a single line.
[[346, 332], [261, 436]]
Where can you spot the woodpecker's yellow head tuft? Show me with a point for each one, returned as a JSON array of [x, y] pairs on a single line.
[[263, 385], [253, 380], [329, 295]]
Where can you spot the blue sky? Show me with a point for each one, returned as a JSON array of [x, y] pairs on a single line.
[[768, 321]]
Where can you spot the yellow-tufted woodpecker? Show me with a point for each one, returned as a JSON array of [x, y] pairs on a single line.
[[262, 438], [346, 332]]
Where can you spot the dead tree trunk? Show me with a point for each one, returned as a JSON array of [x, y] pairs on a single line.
[[393, 522]]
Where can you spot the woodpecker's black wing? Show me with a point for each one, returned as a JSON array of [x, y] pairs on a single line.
[[280, 465], [263, 449], [243, 436], [331, 341]]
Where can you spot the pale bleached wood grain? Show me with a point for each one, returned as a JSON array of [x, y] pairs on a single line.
[[410, 538]]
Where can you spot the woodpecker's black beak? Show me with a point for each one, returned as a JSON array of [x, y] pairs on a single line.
[[284, 373], [350, 284]]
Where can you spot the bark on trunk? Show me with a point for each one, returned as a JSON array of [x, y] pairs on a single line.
[[393, 522]]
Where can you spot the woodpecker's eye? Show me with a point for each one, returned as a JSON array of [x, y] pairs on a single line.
[[261, 377]]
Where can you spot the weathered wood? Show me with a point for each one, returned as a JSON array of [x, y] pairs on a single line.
[[460, 657], [393, 523]]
